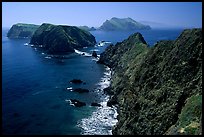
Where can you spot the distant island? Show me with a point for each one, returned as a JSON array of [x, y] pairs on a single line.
[[87, 28], [59, 39], [22, 30], [122, 24]]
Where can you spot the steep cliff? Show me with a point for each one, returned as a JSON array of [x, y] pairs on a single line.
[[157, 90], [22, 30], [59, 39]]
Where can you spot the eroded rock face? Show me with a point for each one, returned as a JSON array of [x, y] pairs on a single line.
[[22, 30], [152, 85], [59, 39]]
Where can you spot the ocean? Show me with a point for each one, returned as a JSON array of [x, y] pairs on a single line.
[[36, 88]]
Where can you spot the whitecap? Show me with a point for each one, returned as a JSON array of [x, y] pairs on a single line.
[[81, 53], [103, 43], [42, 53], [95, 50], [70, 89], [26, 44], [48, 57], [95, 59], [69, 101]]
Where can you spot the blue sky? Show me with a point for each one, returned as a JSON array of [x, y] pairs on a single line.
[[182, 14]]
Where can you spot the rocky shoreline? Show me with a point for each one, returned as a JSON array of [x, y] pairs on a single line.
[[157, 90]]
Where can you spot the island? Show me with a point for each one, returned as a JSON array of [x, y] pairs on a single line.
[[61, 39], [87, 28], [22, 30], [122, 24], [157, 90]]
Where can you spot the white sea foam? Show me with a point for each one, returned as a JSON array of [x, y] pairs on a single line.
[[26, 44], [48, 57], [42, 53], [101, 44], [95, 59], [69, 101], [95, 50], [103, 118], [81, 53], [70, 88]]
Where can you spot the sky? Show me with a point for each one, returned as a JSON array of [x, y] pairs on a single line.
[[182, 14]]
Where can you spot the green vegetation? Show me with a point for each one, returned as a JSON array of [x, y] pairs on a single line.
[[22, 30], [124, 24], [158, 90], [60, 39], [189, 122]]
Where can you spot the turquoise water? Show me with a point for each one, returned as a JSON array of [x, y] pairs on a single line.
[[34, 87]]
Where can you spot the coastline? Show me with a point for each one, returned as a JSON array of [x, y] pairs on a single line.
[[102, 120]]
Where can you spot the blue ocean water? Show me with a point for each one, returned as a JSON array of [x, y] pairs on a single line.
[[35, 98]]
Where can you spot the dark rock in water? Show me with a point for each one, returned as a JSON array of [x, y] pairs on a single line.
[[81, 90], [22, 30], [77, 103], [94, 54], [60, 39], [95, 104], [83, 54], [112, 102], [108, 91], [76, 81]]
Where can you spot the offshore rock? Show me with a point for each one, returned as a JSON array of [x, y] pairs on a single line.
[[76, 81], [94, 54], [77, 103], [81, 90], [95, 104]]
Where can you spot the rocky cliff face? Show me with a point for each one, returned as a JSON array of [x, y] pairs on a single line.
[[21, 30], [58, 39], [157, 90]]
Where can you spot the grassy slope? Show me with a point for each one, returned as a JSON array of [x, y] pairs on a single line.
[[152, 87]]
